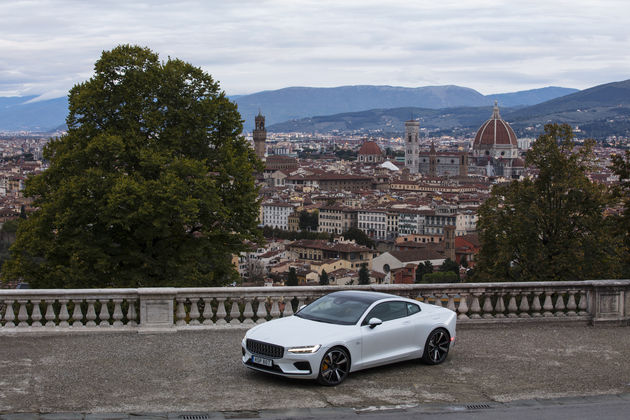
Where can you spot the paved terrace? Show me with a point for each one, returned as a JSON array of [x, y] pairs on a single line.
[[200, 370]]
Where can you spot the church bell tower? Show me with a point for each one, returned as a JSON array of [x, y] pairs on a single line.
[[260, 136]]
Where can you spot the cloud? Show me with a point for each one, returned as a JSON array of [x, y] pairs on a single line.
[[493, 46]]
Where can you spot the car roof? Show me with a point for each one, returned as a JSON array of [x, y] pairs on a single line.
[[365, 296]]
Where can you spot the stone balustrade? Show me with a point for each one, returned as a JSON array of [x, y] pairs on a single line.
[[171, 309]]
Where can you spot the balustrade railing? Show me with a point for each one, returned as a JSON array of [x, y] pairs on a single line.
[[171, 309]]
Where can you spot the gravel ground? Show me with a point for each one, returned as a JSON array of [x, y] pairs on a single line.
[[201, 371]]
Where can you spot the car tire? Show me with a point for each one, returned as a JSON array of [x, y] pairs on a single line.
[[436, 347], [334, 367]]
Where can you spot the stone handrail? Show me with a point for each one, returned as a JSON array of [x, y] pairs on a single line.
[[171, 309]]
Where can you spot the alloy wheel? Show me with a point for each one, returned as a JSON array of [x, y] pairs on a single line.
[[334, 367], [437, 347]]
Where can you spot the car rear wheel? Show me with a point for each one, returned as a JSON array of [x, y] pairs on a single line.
[[436, 347], [334, 367]]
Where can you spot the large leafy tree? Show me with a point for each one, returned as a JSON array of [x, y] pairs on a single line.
[[151, 186], [551, 226], [621, 193]]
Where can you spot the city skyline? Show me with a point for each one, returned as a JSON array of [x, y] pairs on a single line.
[[490, 46]]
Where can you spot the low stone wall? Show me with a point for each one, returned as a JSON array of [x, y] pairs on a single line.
[[171, 309]]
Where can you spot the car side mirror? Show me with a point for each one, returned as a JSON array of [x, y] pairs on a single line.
[[373, 322]]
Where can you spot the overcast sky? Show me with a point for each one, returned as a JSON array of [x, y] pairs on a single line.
[[492, 46]]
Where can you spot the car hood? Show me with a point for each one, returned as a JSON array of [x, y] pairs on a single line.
[[296, 331]]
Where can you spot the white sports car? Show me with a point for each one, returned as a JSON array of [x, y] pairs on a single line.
[[348, 331]]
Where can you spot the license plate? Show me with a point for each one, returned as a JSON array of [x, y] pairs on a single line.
[[262, 361]]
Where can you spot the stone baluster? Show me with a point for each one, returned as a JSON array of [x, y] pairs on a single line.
[[499, 306], [261, 311], [559, 305], [512, 308], [50, 313], [131, 313], [536, 305], [207, 311], [36, 316], [77, 315], [475, 308], [571, 305], [548, 306], [235, 313], [438, 299], [463, 307], [248, 312], [117, 316], [103, 315], [9, 315], [451, 302], [487, 306], [583, 305], [288, 306], [524, 306], [91, 313], [64, 316], [275, 311], [301, 300], [180, 313], [194, 312], [22, 313], [221, 313]]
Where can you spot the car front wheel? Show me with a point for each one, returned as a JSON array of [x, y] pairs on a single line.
[[334, 367], [436, 347]]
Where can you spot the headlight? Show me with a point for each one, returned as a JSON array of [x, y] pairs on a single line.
[[304, 349]]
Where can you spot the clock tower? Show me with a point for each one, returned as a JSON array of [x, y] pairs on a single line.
[[260, 136]]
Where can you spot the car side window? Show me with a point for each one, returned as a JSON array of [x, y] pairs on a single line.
[[412, 308], [387, 311]]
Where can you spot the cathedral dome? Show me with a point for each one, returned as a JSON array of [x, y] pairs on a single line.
[[370, 148], [495, 132]]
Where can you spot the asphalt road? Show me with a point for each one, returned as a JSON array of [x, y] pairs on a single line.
[[201, 371]]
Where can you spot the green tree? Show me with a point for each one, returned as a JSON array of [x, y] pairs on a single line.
[[422, 269], [292, 279], [450, 266], [359, 237], [364, 274], [441, 277], [151, 186], [621, 194], [309, 220], [551, 227], [323, 279]]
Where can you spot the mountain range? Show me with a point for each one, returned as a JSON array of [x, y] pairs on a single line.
[[598, 112], [28, 114]]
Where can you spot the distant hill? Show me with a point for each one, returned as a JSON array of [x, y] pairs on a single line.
[[300, 102], [599, 112], [388, 121], [21, 114]]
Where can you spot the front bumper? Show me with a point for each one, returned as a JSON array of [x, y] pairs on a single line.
[[304, 366]]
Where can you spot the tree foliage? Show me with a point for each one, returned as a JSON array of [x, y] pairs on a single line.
[[551, 227], [621, 194], [422, 269], [440, 277], [359, 237], [364, 274], [151, 186], [450, 266], [323, 279], [292, 279], [309, 221]]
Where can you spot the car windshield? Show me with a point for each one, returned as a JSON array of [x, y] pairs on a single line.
[[335, 309]]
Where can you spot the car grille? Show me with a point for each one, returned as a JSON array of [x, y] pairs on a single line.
[[265, 349]]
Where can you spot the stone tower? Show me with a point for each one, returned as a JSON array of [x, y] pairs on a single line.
[[412, 130], [260, 136]]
